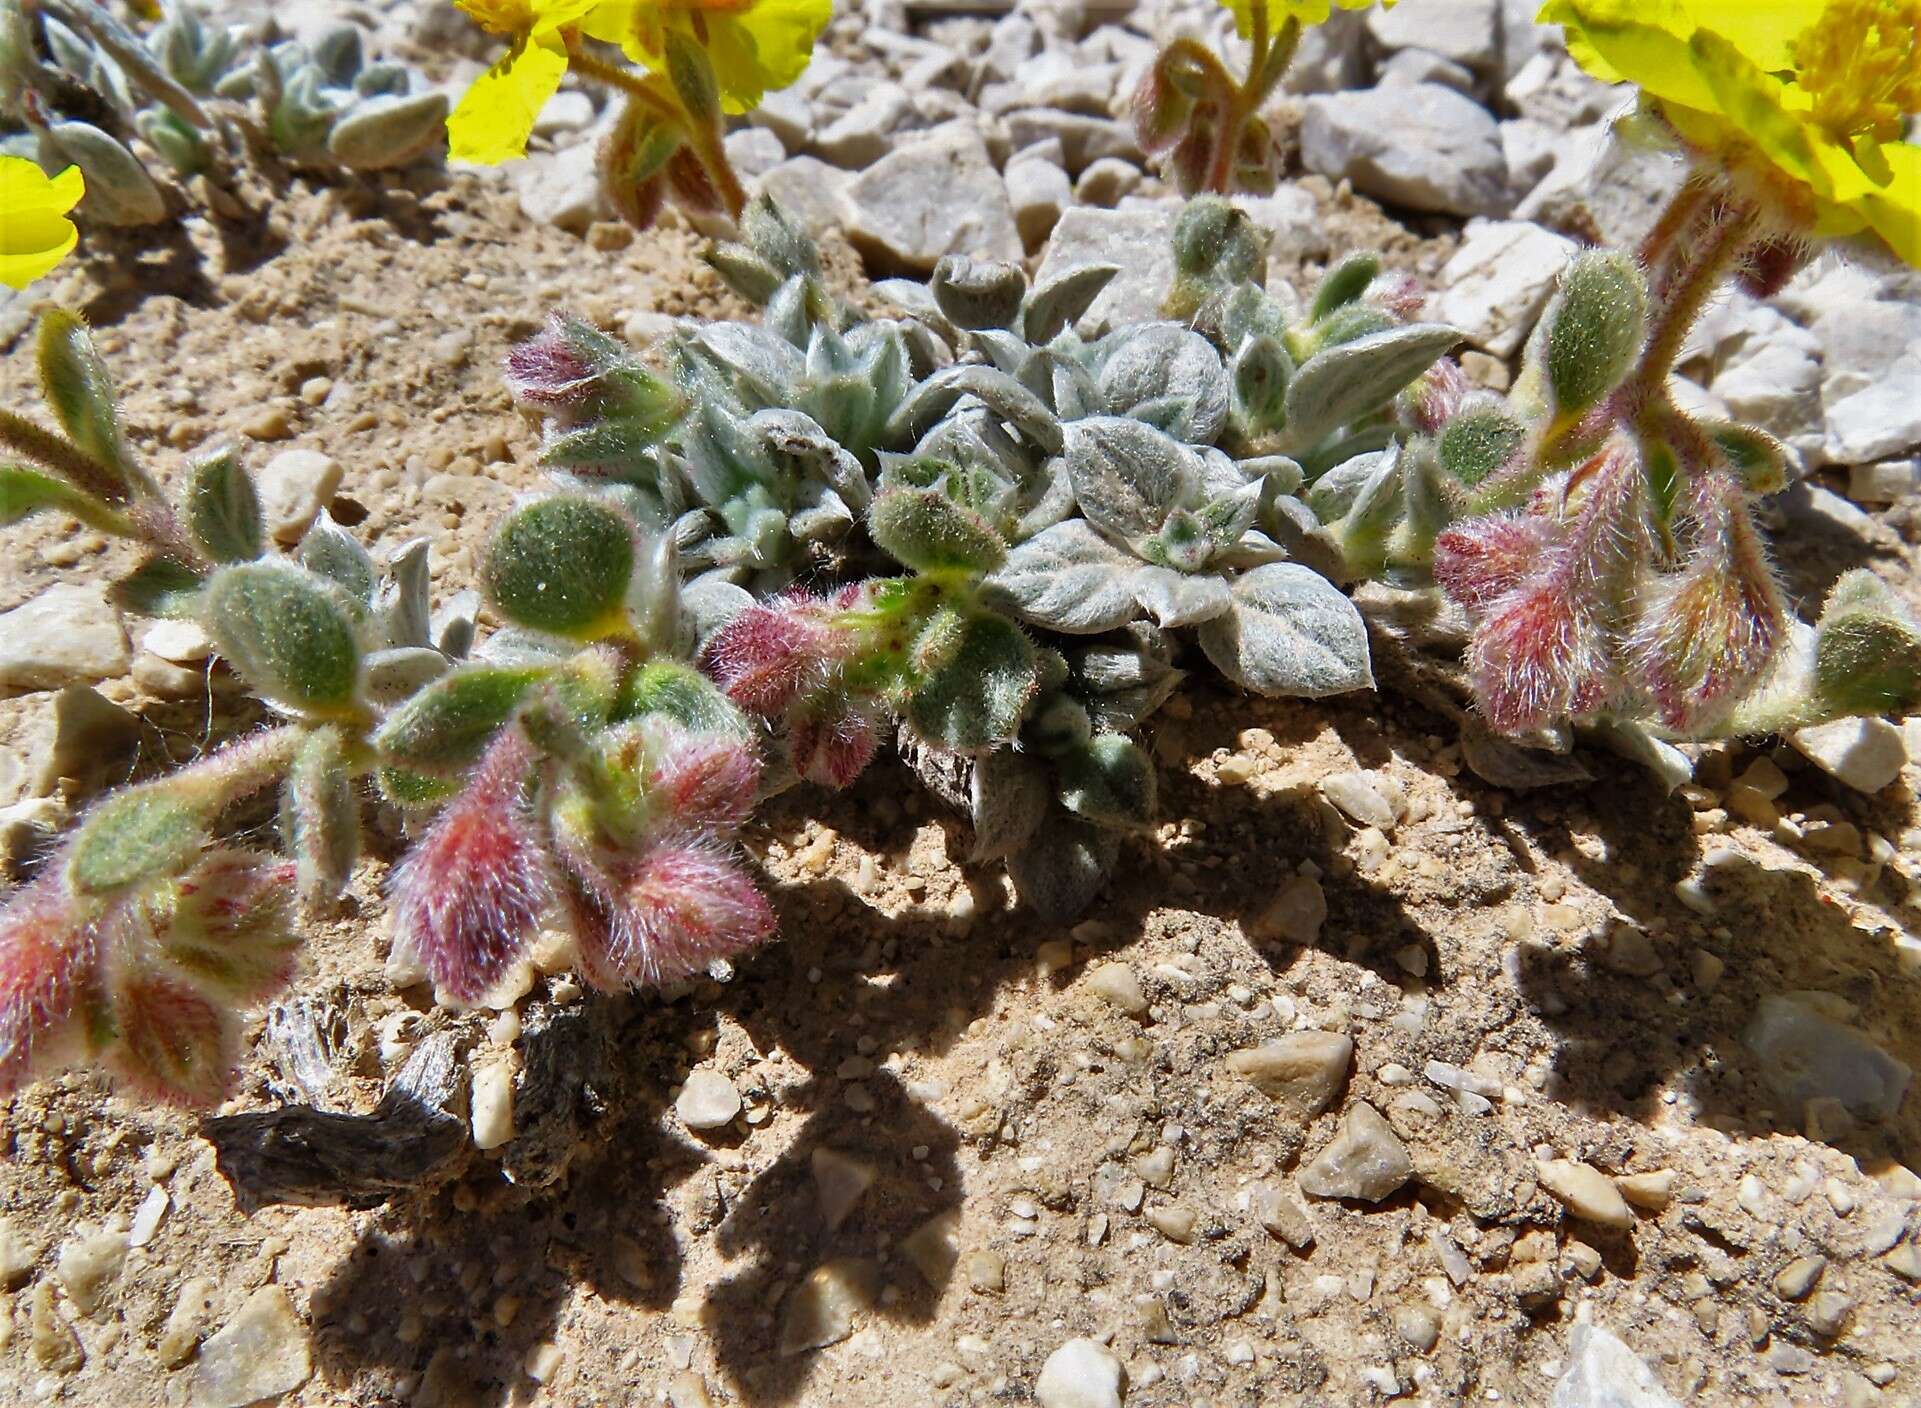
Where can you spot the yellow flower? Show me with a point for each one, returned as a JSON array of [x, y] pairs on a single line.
[[35, 233], [496, 115], [755, 45], [1801, 105], [1279, 12]]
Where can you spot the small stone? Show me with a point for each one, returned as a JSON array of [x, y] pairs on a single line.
[[754, 151], [788, 115], [1115, 984], [147, 1218], [261, 1353], [1805, 1054], [1865, 754], [1497, 283], [1602, 1372], [562, 188], [87, 1266], [1301, 1072], [934, 1248], [1585, 1192], [492, 1102], [1419, 1325], [820, 1311], [1881, 420], [55, 1346], [1080, 1374], [1827, 1314], [294, 486], [192, 1314], [1174, 1222], [1139, 240], [18, 1254], [1905, 1261], [1652, 1191], [1365, 1159], [68, 634], [1797, 1278], [1038, 190], [810, 190], [179, 642], [566, 111], [689, 1390], [1424, 146], [1884, 483], [839, 1181], [1355, 794], [708, 1101], [1296, 914], [269, 423], [986, 1272], [1156, 1166], [1282, 1216], [1104, 182], [1632, 952], [934, 194]]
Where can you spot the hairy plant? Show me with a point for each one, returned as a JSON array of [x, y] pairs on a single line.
[[577, 768], [189, 97]]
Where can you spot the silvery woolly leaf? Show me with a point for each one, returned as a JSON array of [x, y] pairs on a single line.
[[1259, 375], [1180, 598], [515, 648], [1343, 382], [820, 515], [119, 190], [1006, 351], [1121, 687], [1282, 475], [1251, 549], [132, 56], [1168, 366], [1008, 797], [1127, 476], [454, 624], [1290, 632], [1054, 504], [1110, 782], [1062, 383], [917, 300], [709, 602], [1064, 866], [927, 350], [380, 133], [814, 453], [1632, 741], [765, 365], [1067, 578], [402, 600], [1006, 397], [1057, 305], [395, 674], [1337, 491], [979, 294]]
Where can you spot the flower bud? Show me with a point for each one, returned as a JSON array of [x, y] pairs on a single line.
[[1594, 329], [664, 916], [45, 955], [831, 738]]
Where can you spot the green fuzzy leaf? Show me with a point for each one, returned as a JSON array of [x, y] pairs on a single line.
[[681, 693], [1109, 782], [1064, 865], [562, 565], [1349, 323], [1475, 444], [338, 556], [405, 788], [1259, 376], [1594, 329], [978, 697], [925, 530], [388, 130], [1008, 796], [1867, 650], [289, 633], [1059, 303], [1217, 242], [221, 509], [320, 818], [141, 834], [1344, 284], [1291, 632], [78, 389], [938, 640], [449, 723], [1339, 384], [1759, 460], [779, 239], [161, 587], [24, 492]]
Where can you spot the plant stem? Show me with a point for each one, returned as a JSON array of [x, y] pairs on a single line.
[[616, 77], [43, 447], [1729, 230]]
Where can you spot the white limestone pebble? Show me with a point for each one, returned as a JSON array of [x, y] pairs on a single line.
[[708, 1101], [1585, 1192], [1301, 1071], [1366, 1159], [1080, 1374], [261, 1353], [294, 486], [68, 634], [493, 1105], [821, 1309]]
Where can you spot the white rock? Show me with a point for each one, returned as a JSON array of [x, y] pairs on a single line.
[[1296, 230], [864, 133], [810, 190], [69, 634], [294, 486], [934, 1248], [1885, 482], [147, 1218], [1805, 1054], [88, 1265], [567, 111], [821, 1309], [1410, 66], [754, 151], [1080, 1374], [1466, 31], [934, 194], [1357, 794], [1531, 148], [1866, 754], [1601, 188], [1773, 378], [561, 188], [1332, 57], [260, 1354], [1425, 147], [839, 1181], [1585, 1192], [1604, 1373], [1860, 339], [182, 642], [1039, 191], [788, 115], [1550, 87], [1105, 182], [1138, 239], [1366, 1159], [708, 1100], [1083, 139], [1499, 280], [1882, 419], [1066, 81], [492, 1105], [1301, 1072]]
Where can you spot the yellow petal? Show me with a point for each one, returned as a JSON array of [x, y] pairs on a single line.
[[1895, 210], [496, 116], [1636, 41], [754, 45], [31, 243], [68, 187], [1763, 30]]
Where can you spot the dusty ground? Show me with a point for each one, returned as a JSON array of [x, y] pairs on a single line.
[[909, 1020]]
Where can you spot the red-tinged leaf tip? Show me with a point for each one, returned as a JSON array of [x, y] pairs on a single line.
[[551, 368], [765, 655], [230, 924], [171, 1043], [45, 958], [1402, 295], [469, 895], [665, 915], [702, 779], [1480, 561], [1528, 656], [1433, 400], [832, 744]]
